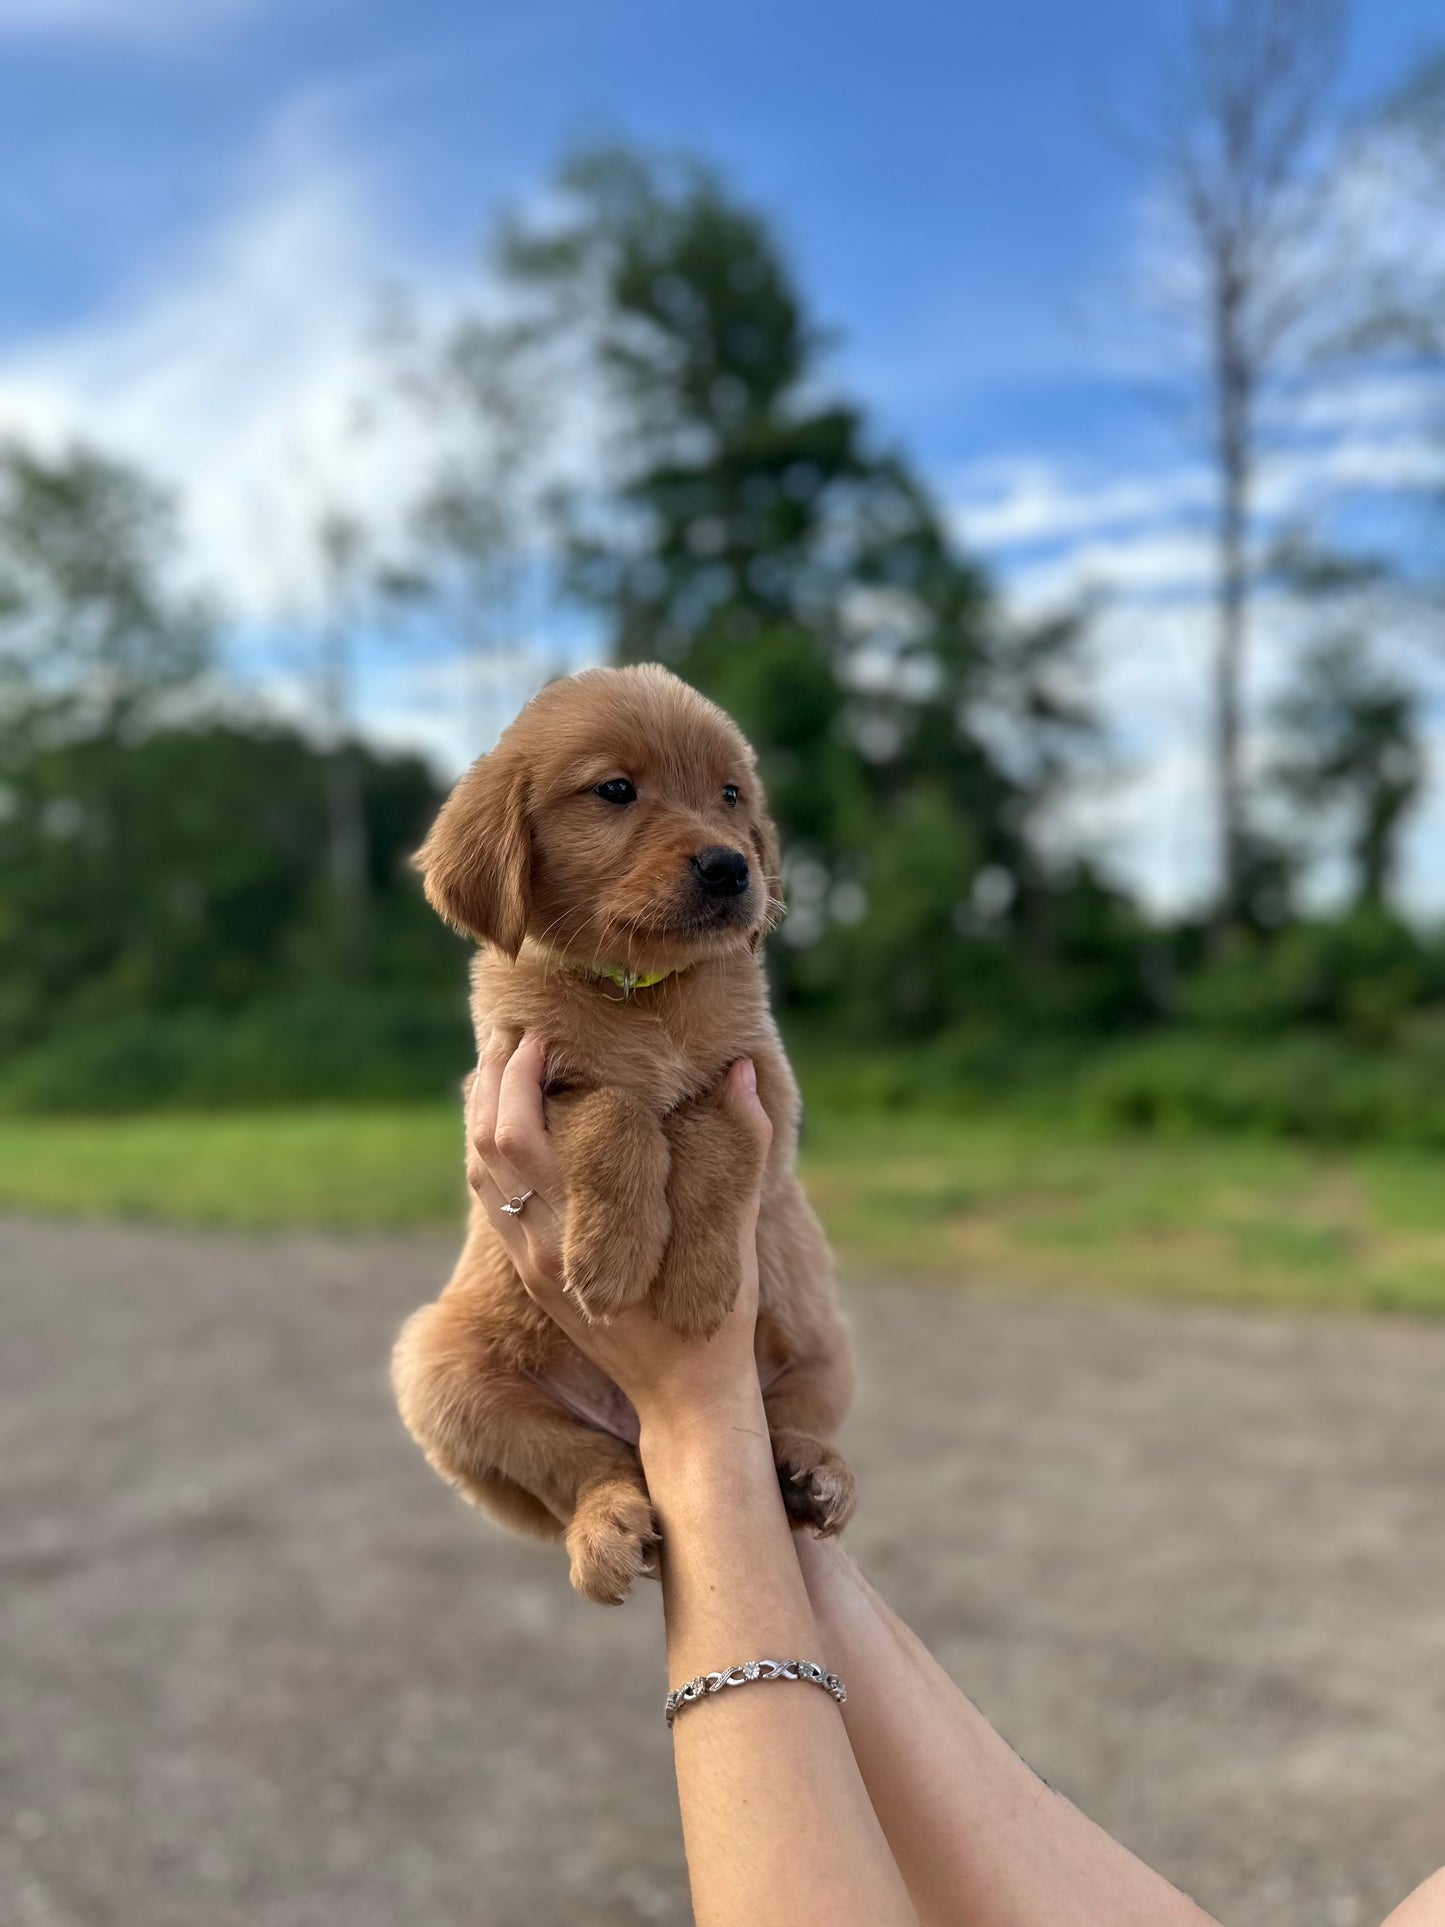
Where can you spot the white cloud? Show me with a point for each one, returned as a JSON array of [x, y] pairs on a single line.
[[1382, 399], [243, 377], [1383, 465], [1160, 562], [1151, 816], [1001, 505], [1364, 438], [237, 380], [1139, 547]]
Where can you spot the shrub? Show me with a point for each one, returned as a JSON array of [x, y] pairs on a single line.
[[370, 1046], [1312, 1085], [1363, 974]]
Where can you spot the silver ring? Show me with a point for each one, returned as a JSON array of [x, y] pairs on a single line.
[[514, 1208]]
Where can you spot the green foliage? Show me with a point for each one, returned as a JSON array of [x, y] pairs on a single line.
[[759, 540], [197, 913], [1330, 1033], [1352, 747], [1365, 975], [1309, 1085], [187, 869], [364, 1047], [92, 636]]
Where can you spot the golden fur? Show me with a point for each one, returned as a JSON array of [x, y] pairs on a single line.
[[554, 882]]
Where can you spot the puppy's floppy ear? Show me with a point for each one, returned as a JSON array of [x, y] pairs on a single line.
[[770, 865], [477, 862]]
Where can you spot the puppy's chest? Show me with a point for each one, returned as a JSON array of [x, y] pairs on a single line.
[[656, 1047]]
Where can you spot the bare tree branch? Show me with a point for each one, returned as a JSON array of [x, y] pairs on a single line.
[[1238, 159]]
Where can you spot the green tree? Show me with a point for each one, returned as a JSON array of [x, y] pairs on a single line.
[[753, 535], [95, 638], [1352, 751], [96, 643], [151, 856], [188, 869]]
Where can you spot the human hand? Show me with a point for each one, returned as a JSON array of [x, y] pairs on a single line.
[[675, 1384]]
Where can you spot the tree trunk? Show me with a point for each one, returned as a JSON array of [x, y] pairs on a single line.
[[347, 860], [1235, 430], [347, 855], [1377, 845]]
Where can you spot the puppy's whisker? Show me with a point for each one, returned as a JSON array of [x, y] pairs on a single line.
[[550, 962], [541, 941]]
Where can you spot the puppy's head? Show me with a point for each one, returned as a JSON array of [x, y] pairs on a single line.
[[619, 821]]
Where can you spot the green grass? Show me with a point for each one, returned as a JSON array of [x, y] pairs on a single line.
[[353, 1168], [990, 1202], [1228, 1220]]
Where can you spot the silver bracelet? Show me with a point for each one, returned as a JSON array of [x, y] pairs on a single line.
[[705, 1683]]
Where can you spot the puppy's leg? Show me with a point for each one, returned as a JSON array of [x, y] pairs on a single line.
[[612, 1539], [715, 1163], [812, 1397], [614, 1161], [508, 1447]]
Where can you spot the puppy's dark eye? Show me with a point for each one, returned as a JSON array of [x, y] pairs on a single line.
[[617, 789], [730, 795]]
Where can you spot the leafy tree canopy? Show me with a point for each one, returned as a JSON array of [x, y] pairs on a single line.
[[94, 637], [759, 540]]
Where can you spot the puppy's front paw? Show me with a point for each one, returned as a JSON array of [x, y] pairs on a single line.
[[698, 1285], [612, 1540], [819, 1489], [605, 1268], [614, 1157]]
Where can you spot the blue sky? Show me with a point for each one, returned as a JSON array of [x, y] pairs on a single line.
[[200, 198]]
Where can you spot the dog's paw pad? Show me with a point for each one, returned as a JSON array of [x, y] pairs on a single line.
[[821, 1493]]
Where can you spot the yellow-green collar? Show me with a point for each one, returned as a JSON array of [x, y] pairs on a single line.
[[626, 980]]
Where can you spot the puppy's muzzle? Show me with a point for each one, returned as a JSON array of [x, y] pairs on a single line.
[[721, 872]]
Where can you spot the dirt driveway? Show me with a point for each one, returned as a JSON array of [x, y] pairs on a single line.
[[261, 1670]]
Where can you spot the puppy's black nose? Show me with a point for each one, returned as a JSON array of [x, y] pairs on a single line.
[[721, 872]]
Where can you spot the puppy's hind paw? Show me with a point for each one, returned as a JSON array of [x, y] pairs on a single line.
[[819, 1489], [612, 1540]]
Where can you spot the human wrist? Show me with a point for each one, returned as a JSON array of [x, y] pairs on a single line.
[[837, 1590], [687, 1437]]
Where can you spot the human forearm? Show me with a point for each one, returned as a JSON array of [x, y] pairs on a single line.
[[1424, 1908], [776, 1819], [977, 1835]]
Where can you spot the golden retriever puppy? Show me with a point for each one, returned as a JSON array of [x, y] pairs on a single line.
[[614, 857]]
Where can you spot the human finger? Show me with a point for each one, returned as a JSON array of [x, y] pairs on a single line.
[[740, 1095], [483, 1097], [532, 1243], [520, 1132]]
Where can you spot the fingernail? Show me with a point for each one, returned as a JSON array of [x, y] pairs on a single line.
[[750, 1075]]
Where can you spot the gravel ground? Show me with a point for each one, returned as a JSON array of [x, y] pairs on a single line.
[[261, 1668]]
